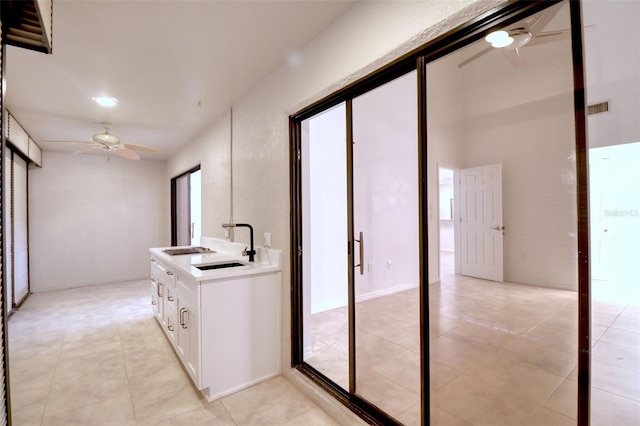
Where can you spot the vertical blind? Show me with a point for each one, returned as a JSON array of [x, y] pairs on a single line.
[[4, 412], [8, 249], [19, 232]]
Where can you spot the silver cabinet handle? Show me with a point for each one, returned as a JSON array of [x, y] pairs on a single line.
[[153, 302], [170, 327], [153, 261], [361, 264], [183, 323], [159, 289], [169, 298], [169, 273]]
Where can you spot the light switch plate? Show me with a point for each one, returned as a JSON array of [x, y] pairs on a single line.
[[267, 239]]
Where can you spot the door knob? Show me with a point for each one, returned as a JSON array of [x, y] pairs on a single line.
[[498, 228]]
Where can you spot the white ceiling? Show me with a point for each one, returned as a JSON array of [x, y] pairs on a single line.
[[175, 66]]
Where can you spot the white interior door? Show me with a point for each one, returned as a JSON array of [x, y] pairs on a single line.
[[481, 228]]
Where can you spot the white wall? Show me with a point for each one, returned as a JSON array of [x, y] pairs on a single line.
[[385, 183], [92, 221], [612, 59], [326, 212]]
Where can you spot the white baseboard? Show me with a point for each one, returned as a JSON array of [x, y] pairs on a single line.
[[361, 298], [211, 398], [386, 291]]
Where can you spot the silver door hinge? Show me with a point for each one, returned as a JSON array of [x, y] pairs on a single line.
[[299, 155], [299, 251]]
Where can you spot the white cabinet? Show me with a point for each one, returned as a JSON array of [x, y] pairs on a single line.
[[188, 337], [163, 297], [156, 298], [226, 331]]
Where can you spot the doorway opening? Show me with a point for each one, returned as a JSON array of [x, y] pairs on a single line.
[[615, 221], [446, 222], [186, 208]]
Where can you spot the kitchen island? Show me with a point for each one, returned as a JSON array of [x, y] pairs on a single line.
[[222, 321]]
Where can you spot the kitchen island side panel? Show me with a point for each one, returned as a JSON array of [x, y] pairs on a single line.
[[240, 320]]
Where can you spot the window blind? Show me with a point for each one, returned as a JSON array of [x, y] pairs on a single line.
[[8, 241], [20, 231]]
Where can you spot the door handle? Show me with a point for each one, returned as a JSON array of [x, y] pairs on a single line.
[[498, 228], [361, 264]]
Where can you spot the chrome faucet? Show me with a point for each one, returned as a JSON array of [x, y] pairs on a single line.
[[251, 252]]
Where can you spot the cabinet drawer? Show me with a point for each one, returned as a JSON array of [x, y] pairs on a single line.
[[163, 272], [156, 269], [171, 299]]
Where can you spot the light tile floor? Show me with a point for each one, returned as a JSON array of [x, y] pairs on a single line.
[[95, 356], [501, 354]]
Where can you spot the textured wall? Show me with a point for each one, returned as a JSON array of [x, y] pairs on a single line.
[[92, 221]]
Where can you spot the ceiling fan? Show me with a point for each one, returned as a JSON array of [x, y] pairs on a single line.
[[525, 33], [111, 143]]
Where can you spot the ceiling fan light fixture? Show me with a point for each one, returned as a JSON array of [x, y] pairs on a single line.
[[499, 39], [106, 138], [521, 39], [105, 101]]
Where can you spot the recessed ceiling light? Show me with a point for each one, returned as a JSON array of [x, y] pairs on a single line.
[[105, 101]]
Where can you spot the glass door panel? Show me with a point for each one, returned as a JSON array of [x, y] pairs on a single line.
[[504, 326], [324, 246], [386, 248]]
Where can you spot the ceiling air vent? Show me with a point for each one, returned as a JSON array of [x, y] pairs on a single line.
[[598, 108]]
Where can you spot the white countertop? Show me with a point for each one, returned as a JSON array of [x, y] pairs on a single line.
[[267, 260]]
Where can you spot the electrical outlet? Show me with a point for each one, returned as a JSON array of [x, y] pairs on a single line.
[[227, 234], [267, 239], [388, 264]]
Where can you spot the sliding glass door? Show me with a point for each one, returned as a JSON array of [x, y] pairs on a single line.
[[495, 329], [360, 247], [16, 235], [385, 241]]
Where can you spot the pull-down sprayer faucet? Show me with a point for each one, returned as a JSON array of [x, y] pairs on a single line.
[[251, 252]]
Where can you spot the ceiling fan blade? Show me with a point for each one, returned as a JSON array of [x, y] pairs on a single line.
[[135, 147], [82, 142], [514, 56], [549, 37], [126, 153], [85, 150], [474, 57], [543, 20]]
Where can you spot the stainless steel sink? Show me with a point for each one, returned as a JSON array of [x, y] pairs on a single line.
[[209, 266]]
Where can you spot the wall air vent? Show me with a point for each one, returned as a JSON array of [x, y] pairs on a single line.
[[598, 108]]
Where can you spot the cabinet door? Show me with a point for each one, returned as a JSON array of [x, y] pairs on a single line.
[[187, 344], [156, 298], [170, 312]]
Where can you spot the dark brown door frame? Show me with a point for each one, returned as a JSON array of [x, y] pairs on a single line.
[[447, 43], [582, 195]]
